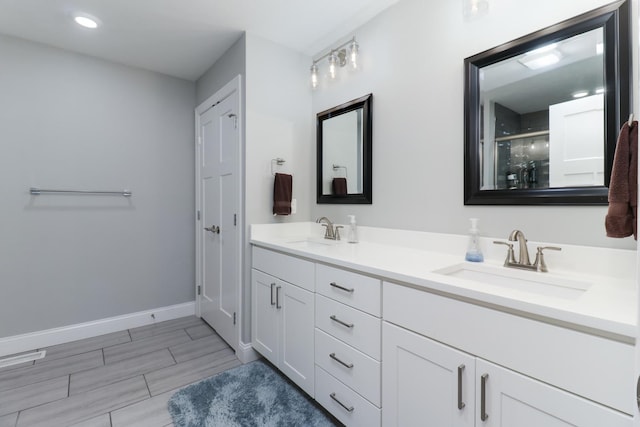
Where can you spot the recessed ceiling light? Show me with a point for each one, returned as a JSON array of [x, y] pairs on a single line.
[[86, 21], [580, 94]]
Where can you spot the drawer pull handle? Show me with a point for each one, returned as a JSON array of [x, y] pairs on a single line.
[[335, 319], [348, 408], [273, 285], [483, 397], [346, 365], [461, 404], [342, 288], [278, 306]]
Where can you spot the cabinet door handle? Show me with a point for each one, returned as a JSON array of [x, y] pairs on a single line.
[[461, 404], [273, 285], [335, 319], [483, 397], [278, 306], [345, 364], [342, 288], [348, 408]]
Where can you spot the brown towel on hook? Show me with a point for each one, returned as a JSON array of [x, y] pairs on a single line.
[[621, 219], [282, 189], [339, 186]]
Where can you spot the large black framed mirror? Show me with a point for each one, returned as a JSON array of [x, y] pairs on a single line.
[[542, 112], [344, 153]]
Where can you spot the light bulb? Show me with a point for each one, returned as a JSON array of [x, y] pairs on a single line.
[[353, 55], [314, 76], [332, 65]]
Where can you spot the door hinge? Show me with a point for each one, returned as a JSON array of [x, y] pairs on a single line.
[[234, 317], [199, 140], [198, 215], [235, 222], [199, 290]]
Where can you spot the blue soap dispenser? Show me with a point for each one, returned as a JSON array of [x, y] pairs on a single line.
[[474, 254]]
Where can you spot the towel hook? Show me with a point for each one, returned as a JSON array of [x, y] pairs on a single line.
[[277, 161]]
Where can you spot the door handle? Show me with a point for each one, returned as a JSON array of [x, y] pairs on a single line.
[[273, 285], [461, 404], [214, 229], [278, 306], [483, 397]]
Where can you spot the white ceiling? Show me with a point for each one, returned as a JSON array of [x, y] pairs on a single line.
[[183, 38]]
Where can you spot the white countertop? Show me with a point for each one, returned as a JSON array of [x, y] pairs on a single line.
[[607, 308]]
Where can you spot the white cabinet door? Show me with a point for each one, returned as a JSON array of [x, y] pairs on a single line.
[[505, 399], [425, 383], [264, 315], [297, 343]]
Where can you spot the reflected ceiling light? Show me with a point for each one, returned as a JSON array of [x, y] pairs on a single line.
[[540, 60], [600, 90], [543, 49], [580, 94], [337, 56], [86, 21], [474, 7], [600, 48]]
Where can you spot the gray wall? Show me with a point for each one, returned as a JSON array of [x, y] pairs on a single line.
[[228, 66], [75, 122], [412, 62]]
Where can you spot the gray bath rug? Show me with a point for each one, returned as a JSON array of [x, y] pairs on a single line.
[[252, 395]]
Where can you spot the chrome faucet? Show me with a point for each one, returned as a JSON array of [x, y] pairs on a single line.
[[523, 253], [332, 232]]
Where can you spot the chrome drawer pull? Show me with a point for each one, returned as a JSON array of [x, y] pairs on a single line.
[[278, 306], [346, 365], [348, 408], [273, 285], [483, 397], [461, 404], [342, 288], [335, 319]]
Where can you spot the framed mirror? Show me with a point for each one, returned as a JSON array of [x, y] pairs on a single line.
[[542, 113], [344, 153]]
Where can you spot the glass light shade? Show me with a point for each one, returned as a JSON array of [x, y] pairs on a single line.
[[314, 76], [353, 55], [332, 65]]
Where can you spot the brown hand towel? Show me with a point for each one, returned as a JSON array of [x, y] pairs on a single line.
[[282, 189], [623, 199], [339, 186]]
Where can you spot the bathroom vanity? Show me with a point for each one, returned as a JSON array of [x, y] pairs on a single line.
[[398, 329]]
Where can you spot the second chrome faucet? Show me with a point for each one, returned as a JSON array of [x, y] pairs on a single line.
[[523, 261]]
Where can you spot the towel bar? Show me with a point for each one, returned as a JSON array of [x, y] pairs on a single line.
[[37, 191]]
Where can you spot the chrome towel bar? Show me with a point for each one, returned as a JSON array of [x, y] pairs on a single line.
[[37, 191]]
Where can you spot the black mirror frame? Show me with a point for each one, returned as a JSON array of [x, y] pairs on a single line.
[[614, 19], [363, 102]]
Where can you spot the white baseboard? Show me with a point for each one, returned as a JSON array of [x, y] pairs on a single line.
[[37, 340], [246, 353]]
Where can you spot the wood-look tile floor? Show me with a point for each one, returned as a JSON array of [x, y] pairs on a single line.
[[119, 379]]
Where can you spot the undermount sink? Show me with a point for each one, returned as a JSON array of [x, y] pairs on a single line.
[[527, 281], [312, 242]]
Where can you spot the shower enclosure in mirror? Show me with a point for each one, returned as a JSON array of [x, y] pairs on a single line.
[[344, 153], [542, 112]]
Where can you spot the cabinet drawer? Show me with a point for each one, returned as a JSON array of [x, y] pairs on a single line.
[[588, 365], [356, 290], [357, 411], [353, 368], [290, 269], [354, 327]]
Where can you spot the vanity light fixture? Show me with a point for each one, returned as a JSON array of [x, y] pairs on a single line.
[[337, 57], [86, 21]]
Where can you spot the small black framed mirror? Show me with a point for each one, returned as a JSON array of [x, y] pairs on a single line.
[[344, 156], [542, 112]]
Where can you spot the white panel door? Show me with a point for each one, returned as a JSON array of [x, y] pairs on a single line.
[[297, 346], [425, 383], [265, 328], [511, 399], [219, 200], [576, 142]]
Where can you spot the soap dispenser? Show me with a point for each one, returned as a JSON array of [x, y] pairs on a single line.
[[474, 254], [353, 230]]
